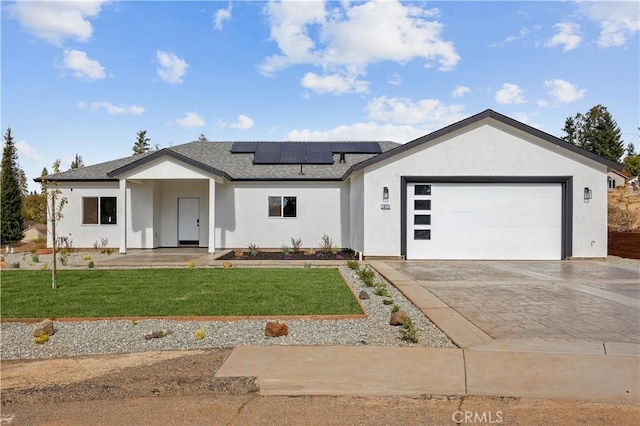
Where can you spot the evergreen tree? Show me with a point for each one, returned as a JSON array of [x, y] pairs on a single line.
[[11, 220], [142, 143], [77, 163], [597, 132]]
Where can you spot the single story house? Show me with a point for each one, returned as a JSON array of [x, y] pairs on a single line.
[[34, 231], [616, 178], [487, 187]]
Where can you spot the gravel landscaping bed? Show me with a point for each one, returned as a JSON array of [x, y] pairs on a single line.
[[124, 336]]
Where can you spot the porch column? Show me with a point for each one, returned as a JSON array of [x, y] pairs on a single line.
[[122, 215], [212, 216]]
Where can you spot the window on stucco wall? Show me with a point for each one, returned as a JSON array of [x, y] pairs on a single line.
[[283, 206], [99, 210]]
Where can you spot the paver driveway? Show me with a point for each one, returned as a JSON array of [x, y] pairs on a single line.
[[586, 300]]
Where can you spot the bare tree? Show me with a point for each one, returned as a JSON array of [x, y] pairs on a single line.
[[55, 203]]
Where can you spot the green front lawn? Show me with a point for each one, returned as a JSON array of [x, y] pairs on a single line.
[[176, 292]]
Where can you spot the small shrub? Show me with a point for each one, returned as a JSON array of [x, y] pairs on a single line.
[[395, 309], [35, 258], [380, 289], [409, 332], [296, 243], [15, 265], [334, 250], [44, 266], [40, 243], [158, 334], [102, 244], [307, 265], [254, 250], [326, 243], [41, 339], [191, 264], [63, 259], [86, 258], [108, 251], [367, 276], [63, 251], [33, 250], [200, 334], [387, 301], [353, 265], [285, 249], [91, 265], [621, 220]]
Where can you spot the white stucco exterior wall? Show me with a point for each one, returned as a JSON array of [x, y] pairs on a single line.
[[242, 214], [487, 148], [356, 211], [84, 236]]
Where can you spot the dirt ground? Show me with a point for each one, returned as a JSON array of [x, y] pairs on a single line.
[[179, 388]]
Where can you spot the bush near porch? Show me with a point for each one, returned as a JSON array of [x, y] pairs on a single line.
[[176, 292]]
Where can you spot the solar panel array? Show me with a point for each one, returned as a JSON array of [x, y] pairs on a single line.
[[302, 152]]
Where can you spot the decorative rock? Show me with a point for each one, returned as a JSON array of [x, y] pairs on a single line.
[[238, 253], [363, 294], [310, 252], [276, 329], [398, 318], [43, 327], [226, 265]]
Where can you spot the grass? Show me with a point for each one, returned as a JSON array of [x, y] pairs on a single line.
[[176, 292]]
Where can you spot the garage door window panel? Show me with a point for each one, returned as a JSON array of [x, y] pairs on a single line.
[[422, 204]]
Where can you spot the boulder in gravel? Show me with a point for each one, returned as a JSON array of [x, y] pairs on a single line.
[[363, 295], [43, 327], [398, 318], [276, 329], [226, 264]]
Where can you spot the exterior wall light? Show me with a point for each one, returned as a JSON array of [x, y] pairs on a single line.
[[385, 193], [587, 194]]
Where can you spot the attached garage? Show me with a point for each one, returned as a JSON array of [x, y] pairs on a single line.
[[481, 220]]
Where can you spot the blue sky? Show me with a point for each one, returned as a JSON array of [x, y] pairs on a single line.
[[84, 77]]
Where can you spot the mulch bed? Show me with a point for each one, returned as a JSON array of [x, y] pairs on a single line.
[[278, 255]]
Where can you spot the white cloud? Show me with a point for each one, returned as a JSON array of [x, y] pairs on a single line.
[[619, 21], [172, 69], [112, 109], [221, 16], [510, 94], [353, 36], [243, 123], [563, 91], [568, 36], [336, 84], [56, 21], [358, 132], [28, 151], [459, 91], [425, 112], [395, 80], [190, 119], [82, 66], [511, 38]]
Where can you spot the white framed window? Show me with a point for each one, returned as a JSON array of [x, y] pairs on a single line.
[[99, 210], [283, 206]]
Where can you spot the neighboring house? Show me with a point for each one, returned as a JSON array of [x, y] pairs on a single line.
[[487, 187], [616, 178], [34, 231], [633, 184]]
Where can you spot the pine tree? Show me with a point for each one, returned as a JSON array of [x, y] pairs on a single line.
[[597, 132], [77, 162], [142, 143], [11, 219]]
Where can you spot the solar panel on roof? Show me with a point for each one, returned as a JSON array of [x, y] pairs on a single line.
[[319, 153], [368, 148], [267, 153], [244, 147], [343, 147], [293, 153]]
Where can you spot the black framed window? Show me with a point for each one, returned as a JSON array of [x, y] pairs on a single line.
[[422, 204], [422, 219], [99, 210], [421, 234], [422, 190], [283, 206]]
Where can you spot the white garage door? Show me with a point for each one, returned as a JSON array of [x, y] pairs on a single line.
[[484, 221]]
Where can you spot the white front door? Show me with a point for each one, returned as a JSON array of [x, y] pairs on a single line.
[[188, 221], [484, 221]]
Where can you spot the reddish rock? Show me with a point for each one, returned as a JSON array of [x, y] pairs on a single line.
[[276, 329], [226, 265], [43, 327], [398, 318]]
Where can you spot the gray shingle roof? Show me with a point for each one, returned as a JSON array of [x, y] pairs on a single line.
[[216, 158]]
